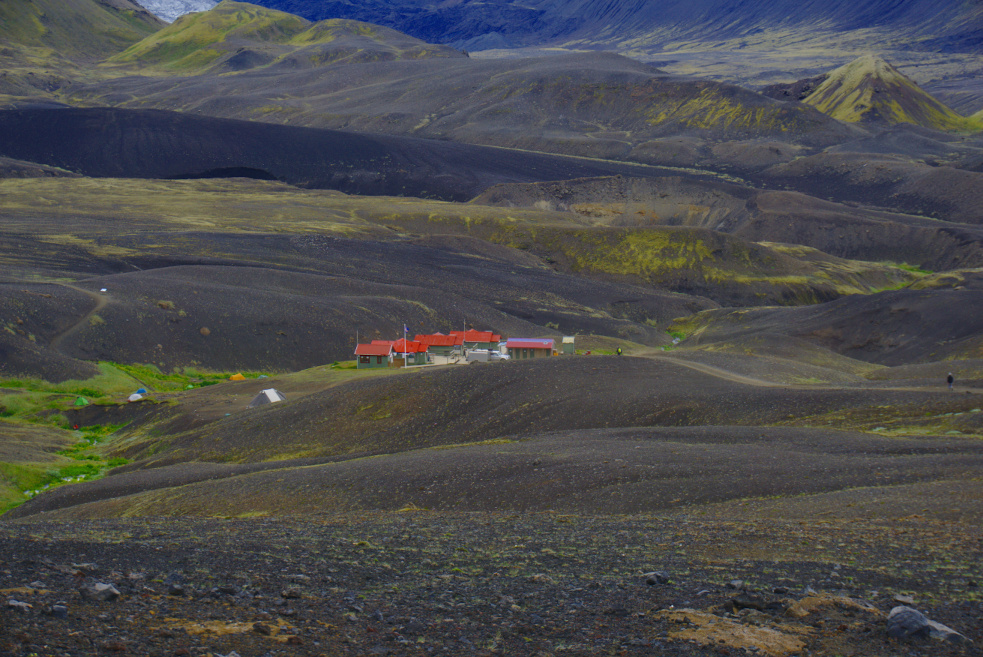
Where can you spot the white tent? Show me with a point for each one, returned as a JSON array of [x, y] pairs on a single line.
[[268, 396], [136, 396]]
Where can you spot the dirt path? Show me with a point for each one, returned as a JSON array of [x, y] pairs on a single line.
[[101, 301], [733, 377], [724, 374]]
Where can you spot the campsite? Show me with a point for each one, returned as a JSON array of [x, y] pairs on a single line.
[[491, 328]]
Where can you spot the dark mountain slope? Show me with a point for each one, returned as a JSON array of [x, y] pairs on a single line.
[[934, 321], [649, 24], [157, 144], [600, 105]]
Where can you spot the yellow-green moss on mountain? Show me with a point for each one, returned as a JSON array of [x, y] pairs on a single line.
[[721, 107], [180, 45], [75, 28], [236, 36], [700, 261], [870, 90]]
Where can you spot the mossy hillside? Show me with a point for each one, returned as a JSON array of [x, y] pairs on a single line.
[[188, 44], [869, 89], [949, 279], [701, 261], [661, 255], [179, 206], [196, 42], [77, 29], [622, 109], [722, 108]]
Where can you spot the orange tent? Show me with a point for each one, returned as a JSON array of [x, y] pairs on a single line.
[[237, 377]]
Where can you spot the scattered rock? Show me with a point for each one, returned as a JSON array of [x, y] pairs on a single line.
[[656, 577], [291, 593], [99, 592], [904, 599], [85, 567], [737, 584], [57, 610], [262, 628], [747, 600], [22, 607], [907, 623]]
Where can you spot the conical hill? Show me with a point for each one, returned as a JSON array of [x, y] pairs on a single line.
[[870, 90]]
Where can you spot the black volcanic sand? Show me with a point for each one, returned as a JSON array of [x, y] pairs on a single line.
[[536, 430], [889, 328], [418, 583], [119, 143], [283, 302], [621, 471]]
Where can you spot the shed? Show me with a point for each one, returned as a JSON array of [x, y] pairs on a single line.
[[371, 356], [526, 348], [569, 345]]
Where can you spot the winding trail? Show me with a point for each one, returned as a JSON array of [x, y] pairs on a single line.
[[102, 300]]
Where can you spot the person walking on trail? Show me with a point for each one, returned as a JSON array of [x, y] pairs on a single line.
[[619, 351], [950, 379]]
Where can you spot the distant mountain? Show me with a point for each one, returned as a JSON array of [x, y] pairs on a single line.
[[668, 24], [170, 10], [79, 29], [870, 90], [236, 36]]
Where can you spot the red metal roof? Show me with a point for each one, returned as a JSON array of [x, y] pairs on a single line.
[[409, 347], [478, 336], [529, 343], [440, 340], [373, 349]]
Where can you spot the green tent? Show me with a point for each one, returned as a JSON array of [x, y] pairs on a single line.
[[81, 401]]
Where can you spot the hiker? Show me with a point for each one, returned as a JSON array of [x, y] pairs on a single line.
[[949, 379], [619, 351]]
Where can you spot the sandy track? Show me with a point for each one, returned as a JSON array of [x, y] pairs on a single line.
[[101, 301], [734, 377]]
